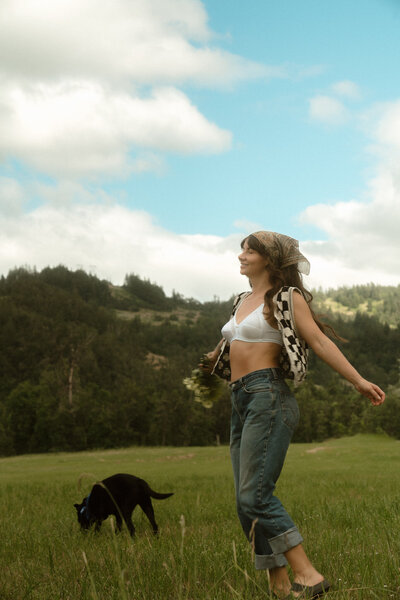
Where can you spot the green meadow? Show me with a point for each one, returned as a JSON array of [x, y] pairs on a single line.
[[343, 494]]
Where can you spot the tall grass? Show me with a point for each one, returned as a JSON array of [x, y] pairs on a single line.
[[343, 495]]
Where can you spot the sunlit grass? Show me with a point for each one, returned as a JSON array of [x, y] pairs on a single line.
[[343, 495]]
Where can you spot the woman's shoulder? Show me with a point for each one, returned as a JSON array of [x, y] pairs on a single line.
[[288, 301], [286, 292], [238, 299], [241, 295]]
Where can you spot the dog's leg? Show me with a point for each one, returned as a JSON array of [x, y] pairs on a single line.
[[118, 521], [125, 517], [148, 510], [97, 526], [130, 525]]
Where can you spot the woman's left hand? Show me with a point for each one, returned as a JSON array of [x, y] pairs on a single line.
[[370, 391]]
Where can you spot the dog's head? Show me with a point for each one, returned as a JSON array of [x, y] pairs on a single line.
[[85, 518]]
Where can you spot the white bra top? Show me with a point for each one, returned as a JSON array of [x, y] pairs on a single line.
[[253, 328]]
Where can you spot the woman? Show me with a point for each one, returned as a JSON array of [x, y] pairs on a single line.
[[263, 330]]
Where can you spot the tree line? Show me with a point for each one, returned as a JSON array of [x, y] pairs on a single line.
[[82, 365]]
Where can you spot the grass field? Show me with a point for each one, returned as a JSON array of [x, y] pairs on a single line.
[[343, 495]]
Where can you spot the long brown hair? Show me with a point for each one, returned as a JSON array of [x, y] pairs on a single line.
[[285, 276]]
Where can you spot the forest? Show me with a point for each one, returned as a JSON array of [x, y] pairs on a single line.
[[85, 364]]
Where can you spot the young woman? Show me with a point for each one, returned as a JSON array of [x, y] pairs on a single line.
[[273, 320]]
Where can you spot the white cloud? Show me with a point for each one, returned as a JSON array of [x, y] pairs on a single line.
[[331, 110], [85, 85], [88, 229], [327, 110], [12, 197], [347, 89], [247, 226], [387, 128], [363, 239], [363, 242], [144, 41], [111, 241], [78, 128], [82, 228]]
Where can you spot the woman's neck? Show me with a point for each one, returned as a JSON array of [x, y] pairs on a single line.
[[260, 285]]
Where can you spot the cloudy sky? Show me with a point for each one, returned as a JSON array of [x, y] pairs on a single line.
[[150, 136]]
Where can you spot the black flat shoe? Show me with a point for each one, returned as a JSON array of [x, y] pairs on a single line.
[[311, 592]]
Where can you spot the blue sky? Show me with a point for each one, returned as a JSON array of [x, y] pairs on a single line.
[[281, 160], [150, 137]]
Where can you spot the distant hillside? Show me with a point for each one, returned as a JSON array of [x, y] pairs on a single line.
[[85, 364], [149, 299], [382, 302]]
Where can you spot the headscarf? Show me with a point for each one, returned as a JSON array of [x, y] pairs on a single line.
[[283, 250]]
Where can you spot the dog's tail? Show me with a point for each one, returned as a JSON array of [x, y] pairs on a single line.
[[158, 496]]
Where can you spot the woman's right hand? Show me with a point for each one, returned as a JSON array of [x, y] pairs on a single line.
[[208, 361]]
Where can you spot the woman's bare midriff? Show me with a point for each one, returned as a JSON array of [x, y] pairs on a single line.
[[246, 357]]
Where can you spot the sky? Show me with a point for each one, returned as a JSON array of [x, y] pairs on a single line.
[[152, 136]]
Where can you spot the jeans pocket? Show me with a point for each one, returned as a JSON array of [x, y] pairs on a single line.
[[290, 410], [256, 386]]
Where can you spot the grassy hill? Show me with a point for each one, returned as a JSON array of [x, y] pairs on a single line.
[[342, 494]]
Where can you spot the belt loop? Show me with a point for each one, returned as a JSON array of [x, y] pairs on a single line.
[[276, 372]]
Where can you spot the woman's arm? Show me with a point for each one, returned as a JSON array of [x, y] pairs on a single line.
[[330, 353]]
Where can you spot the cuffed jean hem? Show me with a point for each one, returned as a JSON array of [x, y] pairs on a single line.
[[279, 544], [285, 541], [269, 561]]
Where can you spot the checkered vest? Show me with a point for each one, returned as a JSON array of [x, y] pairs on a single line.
[[294, 356], [293, 359]]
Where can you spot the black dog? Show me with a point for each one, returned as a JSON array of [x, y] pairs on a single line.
[[118, 495]]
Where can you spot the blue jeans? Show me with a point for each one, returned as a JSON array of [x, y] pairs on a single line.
[[264, 416]]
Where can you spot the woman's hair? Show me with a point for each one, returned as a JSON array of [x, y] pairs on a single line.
[[284, 276]]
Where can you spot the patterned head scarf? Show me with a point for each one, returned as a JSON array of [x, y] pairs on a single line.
[[283, 250]]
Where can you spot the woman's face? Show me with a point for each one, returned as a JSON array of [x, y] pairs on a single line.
[[252, 263]]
